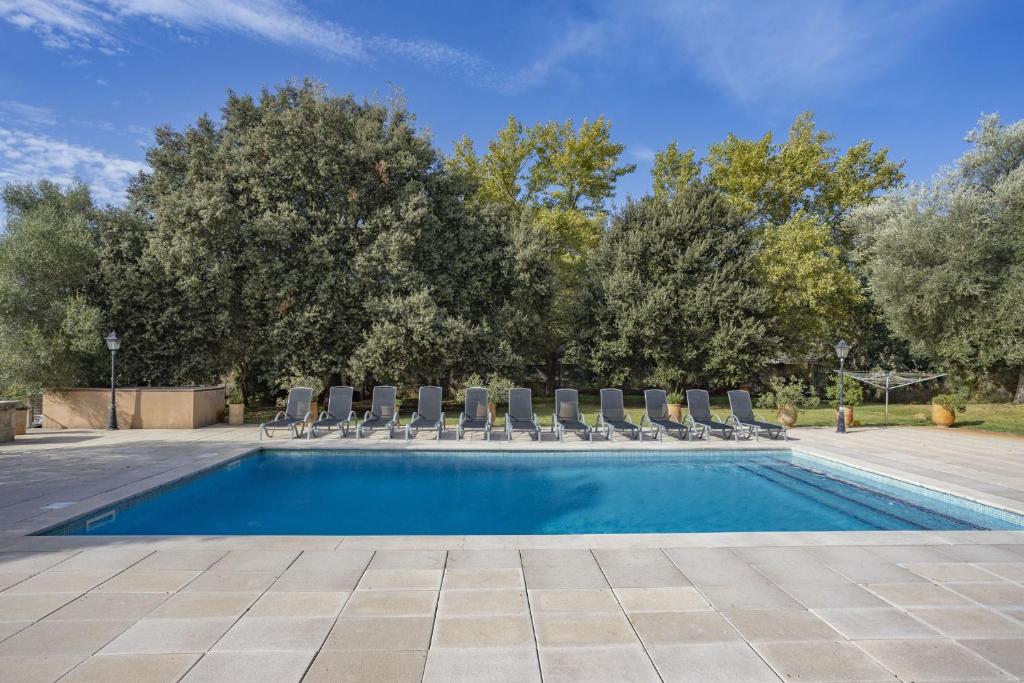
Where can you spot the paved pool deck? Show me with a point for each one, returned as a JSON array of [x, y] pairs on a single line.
[[835, 606]]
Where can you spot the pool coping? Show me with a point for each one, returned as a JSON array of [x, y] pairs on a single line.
[[39, 524]]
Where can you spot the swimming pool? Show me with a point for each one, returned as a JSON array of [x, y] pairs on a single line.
[[346, 492]]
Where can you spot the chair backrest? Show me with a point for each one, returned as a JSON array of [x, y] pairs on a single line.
[[477, 406], [739, 403], [520, 403], [567, 404], [656, 404], [339, 402], [299, 399], [698, 403], [383, 403], [612, 405], [429, 403]]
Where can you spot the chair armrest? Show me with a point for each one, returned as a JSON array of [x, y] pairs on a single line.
[[444, 420], [306, 417], [322, 416], [415, 415], [462, 417], [280, 415], [535, 418], [351, 415], [366, 416], [715, 417]]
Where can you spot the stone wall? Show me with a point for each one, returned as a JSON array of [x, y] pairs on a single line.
[[137, 407]]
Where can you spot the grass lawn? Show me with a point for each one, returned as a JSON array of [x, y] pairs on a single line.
[[990, 417]]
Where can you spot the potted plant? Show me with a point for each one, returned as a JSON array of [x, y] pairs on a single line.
[[236, 408], [786, 397], [853, 395], [946, 406], [675, 405]]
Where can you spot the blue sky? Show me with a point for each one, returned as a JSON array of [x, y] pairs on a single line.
[[83, 83]]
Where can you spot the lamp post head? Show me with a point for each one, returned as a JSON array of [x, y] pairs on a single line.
[[842, 349], [113, 341]]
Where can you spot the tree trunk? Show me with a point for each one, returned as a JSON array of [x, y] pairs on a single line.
[[1019, 396]]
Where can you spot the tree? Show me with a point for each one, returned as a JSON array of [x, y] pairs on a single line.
[[946, 262], [50, 326], [673, 170], [677, 300]]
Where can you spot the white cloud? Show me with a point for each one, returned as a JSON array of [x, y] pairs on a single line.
[[27, 156], [26, 114]]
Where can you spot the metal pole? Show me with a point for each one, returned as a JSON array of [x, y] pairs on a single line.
[[841, 420], [112, 422], [888, 379]]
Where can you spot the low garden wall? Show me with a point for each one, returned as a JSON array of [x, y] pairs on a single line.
[[137, 407], [8, 409]]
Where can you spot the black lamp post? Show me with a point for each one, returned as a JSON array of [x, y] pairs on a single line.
[[842, 350], [113, 343]]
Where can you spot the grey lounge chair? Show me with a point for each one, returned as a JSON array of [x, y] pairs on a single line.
[[613, 416], [339, 414], [702, 420], [657, 417], [383, 412], [428, 413], [520, 415], [567, 417], [294, 416], [476, 415], [743, 418]]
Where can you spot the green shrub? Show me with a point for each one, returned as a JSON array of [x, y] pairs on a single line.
[[497, 388], [788, 393], [955, 402], [675, 397], [853, 393]]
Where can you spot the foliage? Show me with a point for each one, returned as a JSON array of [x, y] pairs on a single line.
[[673, 170], [294, 379], [788, 393], [51, 331], [853, 393], [955, 402], [496, 385], [675, 297], [674, 397]]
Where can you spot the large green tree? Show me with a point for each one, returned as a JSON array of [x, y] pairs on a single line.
[[946, 262]]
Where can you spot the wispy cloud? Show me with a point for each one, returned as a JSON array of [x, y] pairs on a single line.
[[28, 156], [26, 114]]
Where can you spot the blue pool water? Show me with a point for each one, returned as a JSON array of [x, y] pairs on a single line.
[[358, 493]]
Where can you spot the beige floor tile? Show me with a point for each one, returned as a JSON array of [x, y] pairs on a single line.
[[931, 660], [31, 606], [579, 576], [332, 666], [256, 560], [816, 595], [263, 634], [780, 625], [557, 557], [493, 579], [408, 559], [158, 636], [332, 560], [9, 628], [219, 667], [711, 663], [661, 599], [182, 560], [61, 582], [574, 601], [491, 632], [482, 665], [918, 595], [203, 604], [225, 581], [713, 566], [57, 638], [298, 605], [400, 579], [391, 603], [342, 579], [661, 575], [752, 595], [484, 559], [36, 669], [950, 571], [1014, 571], [801, 574], [1006, 654], [380, 633], [596, 664], [979, 552], [1001, 594], [821, 661], [680, 628], [467, 603], [126, 606], [102, 559], [148, 581], [8, 579], [906, 554], [875, 623], [31, 562], [876, 572], [166, 668], [582, 630], [969, 622]]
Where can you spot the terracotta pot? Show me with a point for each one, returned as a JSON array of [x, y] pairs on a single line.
[[787, 416], [849, 415], [236, 414], [491, 406], [942, 417], [675, 411], [314, 411], [20, 421]]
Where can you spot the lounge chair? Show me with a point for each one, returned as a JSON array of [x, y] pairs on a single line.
[[339, 414], [520, 415], [294, 416], [743, 418], [657, 417], [428, 413], [383, 412], [702, 420], [567, 416], [613, 416], [477, 413]]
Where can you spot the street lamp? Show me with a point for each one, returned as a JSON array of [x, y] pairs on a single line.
[[842, 350], [113, 343]]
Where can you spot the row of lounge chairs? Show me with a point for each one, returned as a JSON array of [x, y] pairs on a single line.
[[612, 418]]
